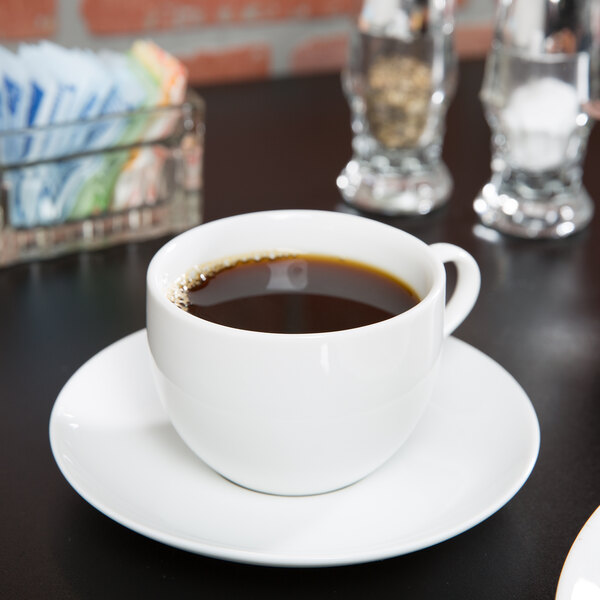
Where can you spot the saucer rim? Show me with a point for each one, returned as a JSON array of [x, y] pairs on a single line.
[[213, 549], [573, 562]]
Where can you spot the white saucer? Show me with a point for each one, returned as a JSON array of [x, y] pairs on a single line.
[[473, 450], [580, 576]]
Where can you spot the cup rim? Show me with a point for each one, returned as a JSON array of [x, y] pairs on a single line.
[[153, 287]]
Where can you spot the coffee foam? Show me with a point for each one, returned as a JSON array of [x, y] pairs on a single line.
[[198, 275]]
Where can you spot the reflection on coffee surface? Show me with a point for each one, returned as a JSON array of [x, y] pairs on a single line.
[[292, 294]]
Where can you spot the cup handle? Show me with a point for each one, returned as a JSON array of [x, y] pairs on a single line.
[[467, 287]]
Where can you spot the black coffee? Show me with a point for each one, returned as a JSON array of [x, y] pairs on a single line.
[[294, 294]]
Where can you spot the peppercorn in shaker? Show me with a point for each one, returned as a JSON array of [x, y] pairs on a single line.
[[400, 77]]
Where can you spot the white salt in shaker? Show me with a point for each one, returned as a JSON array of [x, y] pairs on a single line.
[[399, 80], [540, 93]]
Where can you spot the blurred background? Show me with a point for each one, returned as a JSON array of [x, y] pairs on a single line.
[[220, 41]]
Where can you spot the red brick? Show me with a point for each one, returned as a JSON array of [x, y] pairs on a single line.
[[22, 19], [320, 55], [130, 16], [233, 64]]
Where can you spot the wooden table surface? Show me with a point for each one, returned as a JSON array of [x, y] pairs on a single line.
[[281, 145]]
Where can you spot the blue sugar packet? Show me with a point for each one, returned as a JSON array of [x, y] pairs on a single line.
[[81, 93], [36, 191], [95, 96], [15, 100], [125, 95], [47, 93]]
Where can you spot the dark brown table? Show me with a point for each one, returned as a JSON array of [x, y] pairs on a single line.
[[281, 145]]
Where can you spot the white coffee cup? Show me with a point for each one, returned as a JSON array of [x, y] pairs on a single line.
[[298, 414]]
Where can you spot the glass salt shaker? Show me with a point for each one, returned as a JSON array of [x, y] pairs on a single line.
[[540, 92], [399, 80]]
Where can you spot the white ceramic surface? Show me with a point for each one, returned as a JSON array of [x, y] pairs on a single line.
[[474, 449], [580, 577], [299, 414]]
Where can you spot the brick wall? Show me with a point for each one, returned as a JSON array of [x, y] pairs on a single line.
[[219, 40]]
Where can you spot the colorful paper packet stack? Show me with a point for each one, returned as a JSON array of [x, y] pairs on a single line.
[[57, 102]]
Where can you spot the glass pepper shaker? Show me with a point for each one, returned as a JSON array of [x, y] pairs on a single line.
[[399, 80], [540, 92]]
